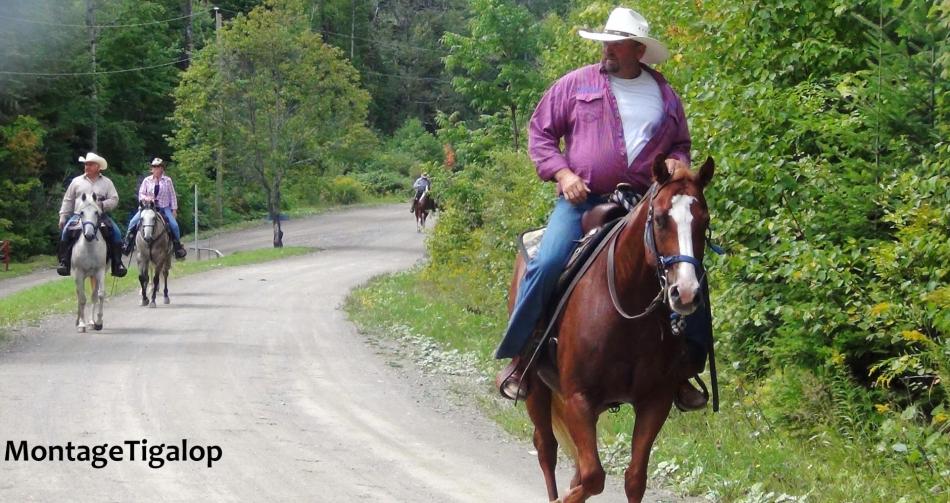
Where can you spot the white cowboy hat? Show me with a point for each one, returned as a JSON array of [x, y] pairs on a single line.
[[158, 162], [92, 157], [626, 24]]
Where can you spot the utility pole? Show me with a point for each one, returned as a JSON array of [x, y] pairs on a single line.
[[93, 36], [189, 42], [219, 168]]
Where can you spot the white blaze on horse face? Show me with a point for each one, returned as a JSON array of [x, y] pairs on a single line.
[[684, 278]]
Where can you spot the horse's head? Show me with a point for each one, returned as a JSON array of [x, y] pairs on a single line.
[[677, 228], [149, 217], [90, 214]]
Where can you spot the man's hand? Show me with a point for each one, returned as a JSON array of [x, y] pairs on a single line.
[[175, 214], [672, 164], [61, 224], [572, 186]]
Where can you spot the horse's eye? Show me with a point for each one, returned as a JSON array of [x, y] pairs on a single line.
[[662, 220]]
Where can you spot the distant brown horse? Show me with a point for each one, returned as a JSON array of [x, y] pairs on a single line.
[[615, 343], [421, 209]]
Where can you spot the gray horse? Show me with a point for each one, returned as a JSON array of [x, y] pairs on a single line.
[[89, 261], [154, 246]]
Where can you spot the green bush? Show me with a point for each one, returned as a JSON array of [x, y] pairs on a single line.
[[344, 190], [384, 182]]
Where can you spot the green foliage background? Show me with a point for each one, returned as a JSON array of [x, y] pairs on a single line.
[[828, 122]]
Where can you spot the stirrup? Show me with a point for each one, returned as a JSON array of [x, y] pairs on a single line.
[[688, 407], [510, 383]]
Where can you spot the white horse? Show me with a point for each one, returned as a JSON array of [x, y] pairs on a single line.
[[153, 245], [89, 261]]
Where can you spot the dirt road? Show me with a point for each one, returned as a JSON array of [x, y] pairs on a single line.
[[260, 362]]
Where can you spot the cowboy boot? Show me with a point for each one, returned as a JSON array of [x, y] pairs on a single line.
[[508, 381], [115, 255], [180, 251], [63, 251]]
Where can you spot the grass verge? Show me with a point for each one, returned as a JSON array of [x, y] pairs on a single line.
[[736, 455], [59, 296], [23, 268]]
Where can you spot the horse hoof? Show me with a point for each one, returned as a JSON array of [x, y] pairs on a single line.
[[167, 300], [144, 303], [152, 304], [81, 330], [97, 326]]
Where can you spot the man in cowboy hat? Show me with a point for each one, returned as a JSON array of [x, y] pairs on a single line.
[[158, 188], [90, 182], [614, 117], [421, 185]]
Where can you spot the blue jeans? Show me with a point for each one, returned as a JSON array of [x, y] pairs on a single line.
[[543, 272], [172, 223], [116, 233]]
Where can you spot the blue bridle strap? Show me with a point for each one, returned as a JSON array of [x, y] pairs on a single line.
[[666, 262]]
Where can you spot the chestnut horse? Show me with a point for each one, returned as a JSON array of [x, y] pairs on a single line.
[[606, 356], [421, 209]]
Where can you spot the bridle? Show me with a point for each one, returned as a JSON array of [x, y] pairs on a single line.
[[95, 225], [154, 237], [663, 263]]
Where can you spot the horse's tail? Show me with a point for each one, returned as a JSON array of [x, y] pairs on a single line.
[[561, 433]]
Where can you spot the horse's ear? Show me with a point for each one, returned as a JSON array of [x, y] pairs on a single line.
[[706, 172], [660, 172]]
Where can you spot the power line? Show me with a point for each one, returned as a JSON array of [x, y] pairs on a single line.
[[405, 77], [77, 74], [47, 23], [328, 32], [393, 43]]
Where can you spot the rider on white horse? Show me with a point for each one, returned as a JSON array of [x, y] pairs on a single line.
[[90, 182], [166, 201]]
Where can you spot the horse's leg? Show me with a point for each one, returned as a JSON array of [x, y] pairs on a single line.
[[81, 297], [651, 415], [143, 280], [156, 277], [581, 422], [98, 299], [538, 404], [165, 275]]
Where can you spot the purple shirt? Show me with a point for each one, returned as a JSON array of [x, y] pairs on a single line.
[[581, 109], [167, 198]]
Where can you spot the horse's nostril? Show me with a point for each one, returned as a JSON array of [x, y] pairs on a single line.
[[674, 292]]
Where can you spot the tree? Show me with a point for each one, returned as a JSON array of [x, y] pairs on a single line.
[[21, 155], [276, 97], [496, 66]]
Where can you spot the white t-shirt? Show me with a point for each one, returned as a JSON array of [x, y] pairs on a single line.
[[641, 108]]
